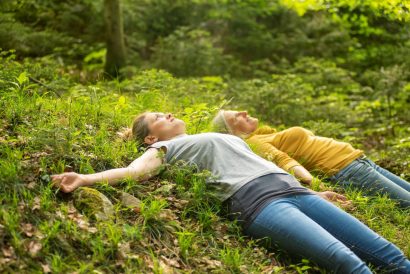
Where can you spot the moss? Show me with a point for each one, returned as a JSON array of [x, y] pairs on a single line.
[[93, 203]]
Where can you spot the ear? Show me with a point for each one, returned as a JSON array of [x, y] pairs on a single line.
[[150, 139]]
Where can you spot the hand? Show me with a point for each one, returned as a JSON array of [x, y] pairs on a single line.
[[335, 197], [69, 181]]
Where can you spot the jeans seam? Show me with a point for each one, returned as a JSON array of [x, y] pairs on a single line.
[[366, 251]]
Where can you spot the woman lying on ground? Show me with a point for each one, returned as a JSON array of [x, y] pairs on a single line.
[[266, 200], [298, 151]]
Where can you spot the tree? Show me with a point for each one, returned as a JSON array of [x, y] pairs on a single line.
[[115, 57]]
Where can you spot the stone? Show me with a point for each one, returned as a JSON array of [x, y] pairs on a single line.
[[128, 200], [93, 204]]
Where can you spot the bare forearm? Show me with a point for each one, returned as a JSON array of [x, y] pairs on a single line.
[[113, 176], [302, 174], [110, 176], [142, 168]]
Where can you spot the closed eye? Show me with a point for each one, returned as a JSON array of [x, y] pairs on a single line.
[[159, 115]]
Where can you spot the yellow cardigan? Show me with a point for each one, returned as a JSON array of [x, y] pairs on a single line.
[[298, 146]]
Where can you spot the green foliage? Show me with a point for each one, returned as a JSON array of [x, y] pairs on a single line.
[[188, 52], [286, 99], [198, 38], [340, 70]]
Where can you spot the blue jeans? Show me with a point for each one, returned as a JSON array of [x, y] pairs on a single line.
[[314, 228], [373, 179]]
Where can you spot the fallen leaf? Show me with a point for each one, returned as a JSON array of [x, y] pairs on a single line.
[[39, 235], [46, 268], [8, 251], [32, 185], [167, 214], [28, 229], [171, 262], [36, 204], [21, 206], [123, 250], [165, 268], [4, 261], [33, 248], [213, 264]]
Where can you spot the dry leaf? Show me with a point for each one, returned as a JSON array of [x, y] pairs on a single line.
[[46, 268], [21, 206], [171, 262], [8, 251], [32, 185], [165, 268], [34, 248], [213, 264], [167, 214], [123, 250], [39, 235], [28, 229], [36, 204], [60, 215], [4, 261]]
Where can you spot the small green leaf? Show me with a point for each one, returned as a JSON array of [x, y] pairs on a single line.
[[22, 78], [121, 101]]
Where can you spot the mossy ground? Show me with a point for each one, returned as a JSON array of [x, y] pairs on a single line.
[[71, 126]]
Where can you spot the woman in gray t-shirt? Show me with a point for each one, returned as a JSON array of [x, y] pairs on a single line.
[[269, 202]]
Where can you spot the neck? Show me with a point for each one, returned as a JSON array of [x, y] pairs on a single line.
[[242, 135], [179, 135]]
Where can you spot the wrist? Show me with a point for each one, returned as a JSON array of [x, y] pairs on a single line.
[[85, 180]]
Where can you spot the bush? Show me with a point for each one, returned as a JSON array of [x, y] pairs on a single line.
[[190, 53], [286, 99]]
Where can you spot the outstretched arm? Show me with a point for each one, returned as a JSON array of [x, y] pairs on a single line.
[[142, 168]]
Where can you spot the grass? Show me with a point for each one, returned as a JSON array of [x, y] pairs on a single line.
[[178, 227]]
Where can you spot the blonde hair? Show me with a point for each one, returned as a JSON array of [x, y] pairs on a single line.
[[219, 123], [138, 131]]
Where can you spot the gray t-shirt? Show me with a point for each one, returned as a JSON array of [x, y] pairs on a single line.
[[229, 159]]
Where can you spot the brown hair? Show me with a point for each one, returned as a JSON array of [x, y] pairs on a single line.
[[139, 130]]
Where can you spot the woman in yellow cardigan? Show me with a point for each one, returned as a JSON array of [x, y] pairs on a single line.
[[299, 151]]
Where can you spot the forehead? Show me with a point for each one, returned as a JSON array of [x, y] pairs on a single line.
[[229, 115], [152, 116]]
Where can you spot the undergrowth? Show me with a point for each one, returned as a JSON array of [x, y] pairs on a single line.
[[67, 126]]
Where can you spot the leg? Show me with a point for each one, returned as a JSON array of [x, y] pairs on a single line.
[[361, 174], [392, 177], [364, 242], [292, 230]]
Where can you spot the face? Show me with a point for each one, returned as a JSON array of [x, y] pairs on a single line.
[[163, 127], [240, 122]]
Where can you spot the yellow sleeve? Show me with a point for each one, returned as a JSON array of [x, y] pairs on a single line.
[[271, 153]]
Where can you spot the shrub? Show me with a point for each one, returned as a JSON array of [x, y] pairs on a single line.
[[188, 52]]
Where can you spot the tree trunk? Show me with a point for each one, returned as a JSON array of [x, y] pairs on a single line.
[[115, 57]]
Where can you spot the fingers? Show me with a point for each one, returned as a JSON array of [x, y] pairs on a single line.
[[335, 196], [61, 181], [340, 196], [347, 204], [56, 179]]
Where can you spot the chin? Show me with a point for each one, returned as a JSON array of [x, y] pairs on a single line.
[[181, 126], [255, 123]]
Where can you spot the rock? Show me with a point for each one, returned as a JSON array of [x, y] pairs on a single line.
[[93, 204], [128, 200], [166, 189]]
